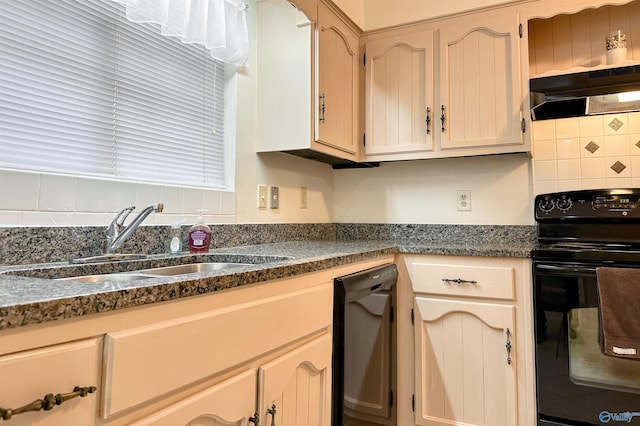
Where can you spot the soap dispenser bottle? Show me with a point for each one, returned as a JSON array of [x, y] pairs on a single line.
[[175, 237], [199, 235]]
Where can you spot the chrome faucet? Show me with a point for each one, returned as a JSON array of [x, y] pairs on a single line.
[[117, 233]]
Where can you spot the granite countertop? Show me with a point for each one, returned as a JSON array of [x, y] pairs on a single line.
[[31, 294]]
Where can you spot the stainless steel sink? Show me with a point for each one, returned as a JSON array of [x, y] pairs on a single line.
[[123, 277], [112, 257], [190, 268], [108, 278]]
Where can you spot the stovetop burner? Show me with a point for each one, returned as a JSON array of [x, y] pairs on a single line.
[[589, 225]]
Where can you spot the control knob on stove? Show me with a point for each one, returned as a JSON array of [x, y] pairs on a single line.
[[564, 203], [546, 204]]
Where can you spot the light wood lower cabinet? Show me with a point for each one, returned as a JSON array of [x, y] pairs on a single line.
[[29, 375], [228, 403], [295, 389], [292, 389], [217, 359], [465, 363], [465, 357]]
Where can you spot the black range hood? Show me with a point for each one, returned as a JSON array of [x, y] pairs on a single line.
[[584, 93]]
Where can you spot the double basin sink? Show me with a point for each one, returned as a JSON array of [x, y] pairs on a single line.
[[177, 266], [119, 277]]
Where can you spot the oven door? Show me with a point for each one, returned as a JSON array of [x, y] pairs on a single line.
[[576, 383]]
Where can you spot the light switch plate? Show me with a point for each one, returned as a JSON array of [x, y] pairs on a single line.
[[303, 197], [262, 196], [275, 197]]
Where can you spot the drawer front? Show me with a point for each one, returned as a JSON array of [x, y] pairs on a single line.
[[494, 282], [30, 375], [148, 362]]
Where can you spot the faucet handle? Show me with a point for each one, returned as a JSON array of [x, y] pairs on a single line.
[[118, 222]]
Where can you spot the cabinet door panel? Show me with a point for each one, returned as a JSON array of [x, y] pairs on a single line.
[[337, 83], [229, 403], [399, 89], [480, 87], [298, 384], [465, 372]]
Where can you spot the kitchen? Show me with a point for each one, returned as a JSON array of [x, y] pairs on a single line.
[[415, 192]]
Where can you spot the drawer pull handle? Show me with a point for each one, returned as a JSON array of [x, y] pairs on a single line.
[[508, 347], [459, 281], [255, 419], [47, 403], [272, 411]]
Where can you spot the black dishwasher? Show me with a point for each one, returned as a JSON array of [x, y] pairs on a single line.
[[364, 347]]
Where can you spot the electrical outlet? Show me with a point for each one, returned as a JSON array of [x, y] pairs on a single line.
[[262, 196], [275, 197], [303, 197], [464, 199]]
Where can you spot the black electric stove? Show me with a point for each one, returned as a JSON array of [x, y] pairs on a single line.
[[579, 231], [589, 225]]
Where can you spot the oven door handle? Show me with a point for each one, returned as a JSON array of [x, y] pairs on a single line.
[[567, 269]]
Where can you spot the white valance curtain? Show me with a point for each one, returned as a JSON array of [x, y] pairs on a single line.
[[219, 25]]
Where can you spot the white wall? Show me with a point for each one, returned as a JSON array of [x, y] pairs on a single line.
[[373, 14], [425, 192], [287, 172]]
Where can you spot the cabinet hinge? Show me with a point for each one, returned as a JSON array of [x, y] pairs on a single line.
[[364, 58], [391, 314], [364, 139], [390, 397], [412, 317], [523, 125], [520, 31], [413, 402]]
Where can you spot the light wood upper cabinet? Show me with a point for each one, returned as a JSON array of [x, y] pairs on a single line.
[[480, 89], [337, 94], [476, 108], [307, 81], [399, 94]]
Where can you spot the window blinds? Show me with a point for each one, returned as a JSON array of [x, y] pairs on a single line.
[[84, 91]]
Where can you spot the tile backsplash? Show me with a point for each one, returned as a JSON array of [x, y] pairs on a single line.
[[45, 199], [600, 151]]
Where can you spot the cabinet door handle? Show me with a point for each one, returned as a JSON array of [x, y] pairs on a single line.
[[255, 419], [508, 346], [428, 120], [322, 108], [47, 402], [272, 411], [459, 281], [442, 118]]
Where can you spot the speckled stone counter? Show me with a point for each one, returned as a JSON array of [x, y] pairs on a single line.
[[31, 294]]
